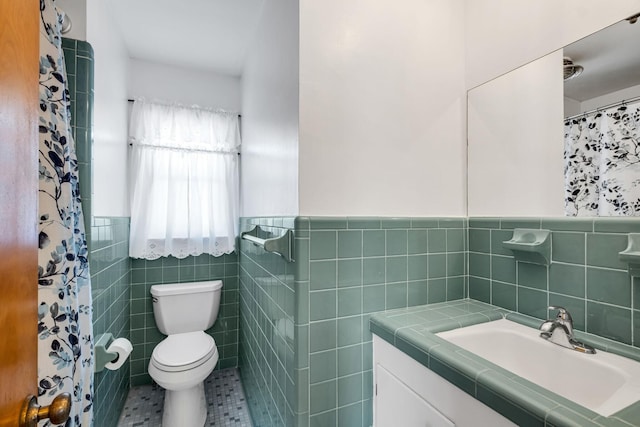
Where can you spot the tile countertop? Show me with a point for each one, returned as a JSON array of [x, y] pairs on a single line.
[[412, 330]]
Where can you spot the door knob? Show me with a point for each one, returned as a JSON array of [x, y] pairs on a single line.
[[57, 412]]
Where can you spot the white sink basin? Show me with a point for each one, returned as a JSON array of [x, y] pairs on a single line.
[[603, 382]]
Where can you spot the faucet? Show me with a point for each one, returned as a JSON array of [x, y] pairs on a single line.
[[560, 331]]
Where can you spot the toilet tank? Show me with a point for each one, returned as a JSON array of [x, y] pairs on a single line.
[[186, 307]]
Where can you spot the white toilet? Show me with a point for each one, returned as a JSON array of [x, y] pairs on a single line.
[[183, 360]]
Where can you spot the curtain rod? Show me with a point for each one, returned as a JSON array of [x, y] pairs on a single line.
[[595, 110], [133, 100]]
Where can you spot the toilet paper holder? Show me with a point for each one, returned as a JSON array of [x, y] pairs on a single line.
[[102, 356]]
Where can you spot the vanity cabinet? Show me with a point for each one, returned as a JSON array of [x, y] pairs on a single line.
[[408, 394]]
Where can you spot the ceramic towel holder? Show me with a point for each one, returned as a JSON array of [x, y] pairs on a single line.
[[631, 255], [530, 245], [281, 245]]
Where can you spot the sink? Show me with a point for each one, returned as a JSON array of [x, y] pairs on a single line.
[[603, 382]]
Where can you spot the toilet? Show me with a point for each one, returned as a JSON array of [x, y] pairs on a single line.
[[184, 359]]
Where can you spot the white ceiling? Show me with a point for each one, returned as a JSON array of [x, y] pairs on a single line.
[[202, 34], [611, 61], [215, 35]]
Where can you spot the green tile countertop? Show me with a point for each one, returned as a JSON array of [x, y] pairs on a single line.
[[412, 330]]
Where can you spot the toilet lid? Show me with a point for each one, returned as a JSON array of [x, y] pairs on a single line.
[[180, 352]]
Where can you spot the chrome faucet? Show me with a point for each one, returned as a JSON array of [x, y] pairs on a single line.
[[560, 331]]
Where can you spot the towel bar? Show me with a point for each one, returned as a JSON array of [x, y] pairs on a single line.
[[281, 245]]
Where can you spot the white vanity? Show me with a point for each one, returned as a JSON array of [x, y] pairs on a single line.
[[408, 394], [467, 363]]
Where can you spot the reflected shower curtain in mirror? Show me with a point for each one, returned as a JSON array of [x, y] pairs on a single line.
[[65, 346], [184, 185], [602, 163]]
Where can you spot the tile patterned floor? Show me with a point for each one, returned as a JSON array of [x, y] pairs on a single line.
[[225, 397]]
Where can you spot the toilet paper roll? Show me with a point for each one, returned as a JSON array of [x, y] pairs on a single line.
[[123, 348]]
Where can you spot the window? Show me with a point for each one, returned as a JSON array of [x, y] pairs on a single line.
[[184, 181]]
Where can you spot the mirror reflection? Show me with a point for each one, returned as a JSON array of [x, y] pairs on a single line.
[[602, 109], [523, 162]]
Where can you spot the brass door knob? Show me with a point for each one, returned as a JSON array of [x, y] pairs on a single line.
[[57, 412]]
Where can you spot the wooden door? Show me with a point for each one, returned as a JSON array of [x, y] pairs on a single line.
[[19, 56]]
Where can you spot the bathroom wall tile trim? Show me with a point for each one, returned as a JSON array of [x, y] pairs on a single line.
[[267, 336], [79, 63], [110, 281], [585, 274], [299, 331], [345, 270]]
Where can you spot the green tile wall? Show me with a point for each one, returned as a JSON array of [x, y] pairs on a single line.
[[345, 269], [78, 58], [144, 333], [348, 269], [108, 238], [585, 274], [303, 346], [110, 282], [267, 334]]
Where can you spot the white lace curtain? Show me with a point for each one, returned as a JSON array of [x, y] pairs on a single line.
[[602, 163], [184, 180]]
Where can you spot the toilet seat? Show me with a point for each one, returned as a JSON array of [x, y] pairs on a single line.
[[181, 352]]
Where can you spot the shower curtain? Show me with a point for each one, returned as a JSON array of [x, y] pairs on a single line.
[[602, 163], [65, 345]]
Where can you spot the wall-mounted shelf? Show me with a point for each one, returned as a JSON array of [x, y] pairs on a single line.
[[530, 245], [631, 255], [281, 245]]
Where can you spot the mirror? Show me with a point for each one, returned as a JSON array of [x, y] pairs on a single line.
[[516, 129], [611, 63]]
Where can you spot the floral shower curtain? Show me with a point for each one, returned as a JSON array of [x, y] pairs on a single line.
[[65, 347], [602, 163]]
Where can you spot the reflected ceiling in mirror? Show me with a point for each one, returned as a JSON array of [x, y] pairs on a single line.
[[515, 127], [611, 61]]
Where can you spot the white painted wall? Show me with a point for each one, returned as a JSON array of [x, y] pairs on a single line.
[[269, 162], [516, 142], [504, 34], [183, 85], [610, 98], [381, 99], [110, 113], [382, 108], [571, 107], [76, 10]]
